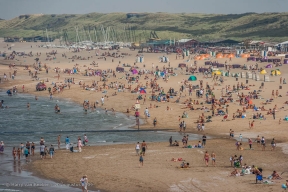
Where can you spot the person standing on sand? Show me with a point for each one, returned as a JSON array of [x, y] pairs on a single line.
[[143, 147], [85, 140], [273, 144], [250, 143], [155, 121], [137, 148], [67, 142], [170, 141], [273, 113], [252, 124], [141, 160], [102, 101], [213, 157], [84, 183], [42, 151], [204, 138], [51, 151], [79, 145], [206, 158], [263, 143]]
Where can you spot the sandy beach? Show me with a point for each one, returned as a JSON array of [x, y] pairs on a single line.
[[116, 167]]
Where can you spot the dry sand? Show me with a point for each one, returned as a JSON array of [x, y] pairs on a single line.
[[127, 176]]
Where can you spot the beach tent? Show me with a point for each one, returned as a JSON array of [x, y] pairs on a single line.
[[236, 66], [134, 71], [181, 65], [142, 91], [192, 78], [216, 72], [263, 72], [244, 55], [275, 72], [269, 66], [120, 69], [219, 56]]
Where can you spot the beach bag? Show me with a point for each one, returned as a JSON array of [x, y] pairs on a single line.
[[189, 146], [86, 140]]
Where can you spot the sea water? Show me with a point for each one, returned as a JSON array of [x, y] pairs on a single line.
[[18, 124]]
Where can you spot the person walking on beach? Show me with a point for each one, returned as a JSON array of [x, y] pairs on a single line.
[[170, 141], [213, 157], [240, 137], [273, 144], [137, 148], [204, 138], [51, 151], [84, 183], [155, 121], [250, 143], [85, 140], [263, 143], [206, 158], [143, 147], [67, 142], [102, 101], [274, 113], [141, 160], [79, 145], [42, 151]]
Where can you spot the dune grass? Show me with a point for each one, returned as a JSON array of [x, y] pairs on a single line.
[[204, 27]]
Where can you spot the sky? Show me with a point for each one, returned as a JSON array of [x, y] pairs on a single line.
[[13, 8]]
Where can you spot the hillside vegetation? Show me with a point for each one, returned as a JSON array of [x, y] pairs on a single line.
[[266, 26]]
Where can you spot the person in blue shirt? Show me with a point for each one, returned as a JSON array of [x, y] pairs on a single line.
[[67, 141], [26, 153]]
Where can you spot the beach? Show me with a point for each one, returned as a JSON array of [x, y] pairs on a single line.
[[115, 167]]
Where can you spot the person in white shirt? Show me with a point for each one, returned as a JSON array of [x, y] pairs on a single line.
[[102, 100], [137, 148]]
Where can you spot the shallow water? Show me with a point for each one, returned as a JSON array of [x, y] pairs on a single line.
[[19, 125]]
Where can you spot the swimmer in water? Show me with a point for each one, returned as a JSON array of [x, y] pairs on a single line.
[[36, 98], [28, 105]]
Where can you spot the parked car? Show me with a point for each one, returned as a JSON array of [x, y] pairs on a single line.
[[40, 87]]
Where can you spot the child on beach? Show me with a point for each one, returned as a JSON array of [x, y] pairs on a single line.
[[141, 160], [51, 150]]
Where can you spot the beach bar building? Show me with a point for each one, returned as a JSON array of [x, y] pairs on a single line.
[[11, 39]]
